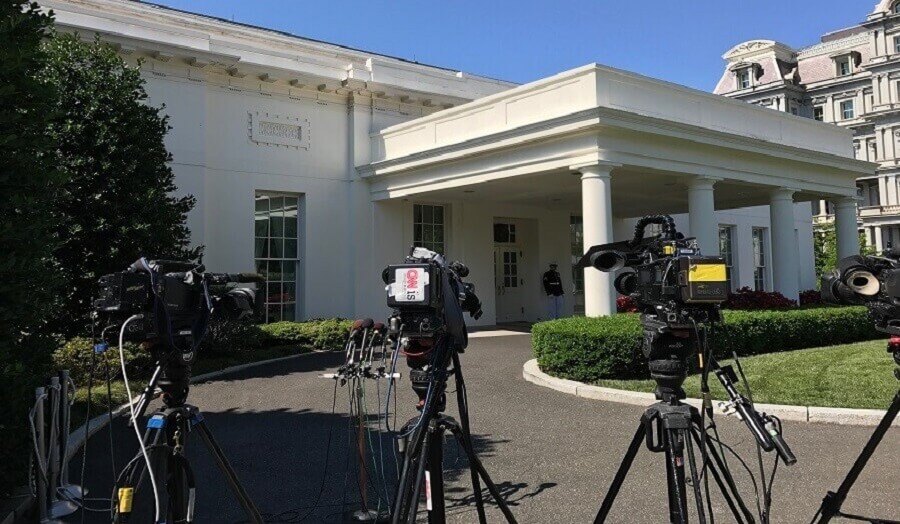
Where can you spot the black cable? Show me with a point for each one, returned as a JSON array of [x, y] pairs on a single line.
[[109, 412], [746, 468], [87, 420], [764, 517]]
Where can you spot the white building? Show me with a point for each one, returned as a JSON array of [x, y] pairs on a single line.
[[852, 79], [318, 165]]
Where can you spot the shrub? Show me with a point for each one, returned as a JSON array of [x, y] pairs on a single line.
[[748, 299], [588, 349], [626, 304], [320, 334], [75, 355], [29, 185], [232, 336], [811, 297]]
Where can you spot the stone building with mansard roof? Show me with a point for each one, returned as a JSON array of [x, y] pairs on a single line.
[[851, 78], [317, 165]]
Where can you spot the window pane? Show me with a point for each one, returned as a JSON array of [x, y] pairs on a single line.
[[427, 234], [428, 214], [438, 234], [438, 214], [277, 205], [274, 292], [277, 224], [417, 234], [274, 271], [290, 292], [417, 213], [262, 225], [288, 312], [290, 225], [262, 204], [289, 271], [276, 248], [290, 249], [262, 248]]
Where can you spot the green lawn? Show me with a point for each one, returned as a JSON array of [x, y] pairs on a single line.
[[850, 376]]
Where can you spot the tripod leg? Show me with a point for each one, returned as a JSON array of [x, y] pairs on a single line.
[[411, 451], [831, 505], [228, 472], [695, 479], [621, 473], [463, 404], [675, 476], [726, 485], [434, 488], [478, 467], [419, 478]]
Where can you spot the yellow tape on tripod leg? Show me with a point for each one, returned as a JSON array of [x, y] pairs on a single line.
[[126, 497]]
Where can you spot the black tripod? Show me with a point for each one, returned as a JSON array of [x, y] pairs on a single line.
[[672, 428], [831, 504], [165, 441], [423, 448]]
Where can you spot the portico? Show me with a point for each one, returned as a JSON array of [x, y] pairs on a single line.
[[610, 146]]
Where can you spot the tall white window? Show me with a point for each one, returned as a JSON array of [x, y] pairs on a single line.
[[848, 109], [277, 255], [743, 79], [428, 227], [897, 8], [897, 42], [759, 258], [843, 66], [726, 250], [819, 113]]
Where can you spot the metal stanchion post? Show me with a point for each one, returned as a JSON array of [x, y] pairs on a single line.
[[69, 490], [58, 508]]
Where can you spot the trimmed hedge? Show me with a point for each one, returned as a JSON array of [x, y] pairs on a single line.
[[320, 334], [589, 349]]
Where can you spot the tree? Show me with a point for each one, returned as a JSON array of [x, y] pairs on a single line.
[[825, 245], [117, 204], [28, 185]]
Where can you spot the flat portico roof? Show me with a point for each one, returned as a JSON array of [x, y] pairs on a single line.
[[600, 114]]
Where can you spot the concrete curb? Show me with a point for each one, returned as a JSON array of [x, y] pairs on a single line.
[[849, 417]]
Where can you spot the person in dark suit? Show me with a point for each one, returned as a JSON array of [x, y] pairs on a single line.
[[554, 289]]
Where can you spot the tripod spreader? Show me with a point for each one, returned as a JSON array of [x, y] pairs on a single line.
[[761, 425]]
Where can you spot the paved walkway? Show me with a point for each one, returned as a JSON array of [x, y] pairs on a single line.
[[552, 454]]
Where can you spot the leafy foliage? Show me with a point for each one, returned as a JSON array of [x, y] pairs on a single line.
[[321, 334], [75, 356], [226, 337], [117, 204], [589, 349], [825, 246], [748, 299], [28, 186]]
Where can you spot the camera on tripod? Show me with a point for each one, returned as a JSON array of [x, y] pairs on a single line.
[[873, 281], [174, 299], [428, 294], [668, 277]]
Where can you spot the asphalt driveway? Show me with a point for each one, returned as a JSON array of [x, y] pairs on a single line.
[[552, 454]]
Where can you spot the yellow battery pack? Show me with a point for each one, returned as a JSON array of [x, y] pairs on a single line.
[[126, 498]]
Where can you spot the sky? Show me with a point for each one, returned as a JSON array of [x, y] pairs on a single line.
[[681, 41]]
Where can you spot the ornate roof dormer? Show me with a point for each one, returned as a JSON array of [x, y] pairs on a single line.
[[885, 8]]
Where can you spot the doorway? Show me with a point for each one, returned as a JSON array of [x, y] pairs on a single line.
[[510, 271]]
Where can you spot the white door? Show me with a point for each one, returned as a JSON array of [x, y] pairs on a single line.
[[509, 284]]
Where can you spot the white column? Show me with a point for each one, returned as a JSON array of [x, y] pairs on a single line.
[[596, 210], [785, 252], [846, 227], [879, 239], [702, 214]]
